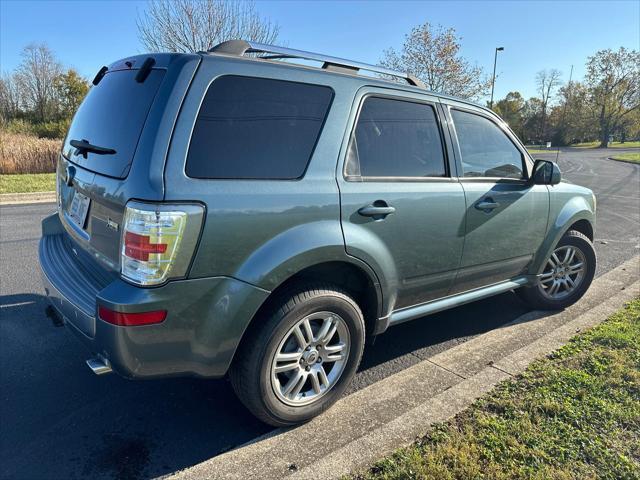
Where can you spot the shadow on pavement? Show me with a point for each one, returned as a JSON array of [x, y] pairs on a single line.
[[61, 421]]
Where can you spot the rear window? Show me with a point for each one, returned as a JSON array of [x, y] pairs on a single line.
[[257, 128], [112, 116]]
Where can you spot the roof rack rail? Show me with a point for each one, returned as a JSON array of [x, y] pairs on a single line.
[[242, 47]]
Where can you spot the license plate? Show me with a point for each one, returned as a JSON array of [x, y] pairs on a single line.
[[79, 208]]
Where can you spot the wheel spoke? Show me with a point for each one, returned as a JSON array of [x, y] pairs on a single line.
[[556, 260], [329, 335], [553, 289], [307, 330], [302, 342], [315, 382], [570, 283], [327, 324], [296, 390], [288, 357], [569, 256], [546, 277], [576, 267], [322, 376], [291, 384], [287, 361], [334, 352]]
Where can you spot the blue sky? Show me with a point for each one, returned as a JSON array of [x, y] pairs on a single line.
[[536, 35]]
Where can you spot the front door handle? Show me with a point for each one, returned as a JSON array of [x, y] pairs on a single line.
[[378, 210], [487, 204]]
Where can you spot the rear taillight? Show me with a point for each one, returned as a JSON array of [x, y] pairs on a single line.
[[139, 247], [131, 319], [158, 241]]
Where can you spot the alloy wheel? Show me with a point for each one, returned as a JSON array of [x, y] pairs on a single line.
[[563, 272], [310, 358]]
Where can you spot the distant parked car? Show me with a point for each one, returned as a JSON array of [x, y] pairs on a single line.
[[228, 214]]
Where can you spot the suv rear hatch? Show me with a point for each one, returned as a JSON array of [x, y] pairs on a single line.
[[116, 147]]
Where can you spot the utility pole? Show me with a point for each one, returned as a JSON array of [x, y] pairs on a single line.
[[493, 81]]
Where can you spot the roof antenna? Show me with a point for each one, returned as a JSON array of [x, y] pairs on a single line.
[[564, 110]]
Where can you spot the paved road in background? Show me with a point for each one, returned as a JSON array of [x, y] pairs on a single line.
[[58, 420]]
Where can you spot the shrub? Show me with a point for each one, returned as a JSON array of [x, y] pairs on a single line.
[[55, 130], [20, 126]]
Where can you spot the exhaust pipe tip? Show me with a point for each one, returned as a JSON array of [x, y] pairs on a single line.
[[99, 365]]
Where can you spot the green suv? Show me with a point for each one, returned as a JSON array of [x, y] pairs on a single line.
[[231, 213]]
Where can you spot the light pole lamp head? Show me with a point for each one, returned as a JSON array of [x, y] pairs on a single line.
[[499, 49]]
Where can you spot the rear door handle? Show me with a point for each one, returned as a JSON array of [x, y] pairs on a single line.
[[487, 204], [378, 210]]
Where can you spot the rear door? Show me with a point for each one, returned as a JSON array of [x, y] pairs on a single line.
[[506, 218], [400, 205]]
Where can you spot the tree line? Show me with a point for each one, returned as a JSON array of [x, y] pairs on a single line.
[[604, 105], [41, 95]]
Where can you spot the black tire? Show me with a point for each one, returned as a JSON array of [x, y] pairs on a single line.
[[536, 299], [250, 373]]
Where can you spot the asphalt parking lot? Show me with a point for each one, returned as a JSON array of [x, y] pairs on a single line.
[[58, 420]]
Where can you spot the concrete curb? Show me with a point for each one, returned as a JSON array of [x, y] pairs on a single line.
[[393, 412], [33, 197], [623, 160]]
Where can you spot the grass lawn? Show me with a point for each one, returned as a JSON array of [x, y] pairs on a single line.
[[535, 151], [629, 157], [575, 414], [611, 145], [28, 182]]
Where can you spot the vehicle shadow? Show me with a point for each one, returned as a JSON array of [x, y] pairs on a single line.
[[61, 421]]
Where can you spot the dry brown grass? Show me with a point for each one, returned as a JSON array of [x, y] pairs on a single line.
[[27, 154]]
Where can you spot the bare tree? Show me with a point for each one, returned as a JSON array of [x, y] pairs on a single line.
[[35, 77], [547, 81], [613, 80], [198, 25], [432, 55], [10, 97]]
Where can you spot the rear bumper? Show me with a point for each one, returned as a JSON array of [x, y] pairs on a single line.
[[205, 317]]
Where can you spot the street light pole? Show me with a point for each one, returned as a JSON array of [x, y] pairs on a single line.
[[493, 81]]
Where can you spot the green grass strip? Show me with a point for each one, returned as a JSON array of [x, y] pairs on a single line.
[[628, 157], [575, 414], [28, 182], [635, 144]]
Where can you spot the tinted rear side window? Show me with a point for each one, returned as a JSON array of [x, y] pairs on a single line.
[[396, 138], [257, 128], [112, 116]]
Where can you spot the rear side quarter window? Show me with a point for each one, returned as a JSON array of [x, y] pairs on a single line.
[[257, 128]]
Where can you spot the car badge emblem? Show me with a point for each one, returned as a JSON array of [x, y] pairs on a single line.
[[112, 225]]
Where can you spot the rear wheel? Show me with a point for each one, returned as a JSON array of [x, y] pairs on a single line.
[[299, 361], [566, 276]]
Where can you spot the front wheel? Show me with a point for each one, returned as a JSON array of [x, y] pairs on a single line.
[[299, 361], [566, 276]]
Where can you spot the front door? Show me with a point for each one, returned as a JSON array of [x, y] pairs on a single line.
[[506, 219], [402, 211]]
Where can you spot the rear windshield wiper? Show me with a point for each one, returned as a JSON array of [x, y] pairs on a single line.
[[83, 146]]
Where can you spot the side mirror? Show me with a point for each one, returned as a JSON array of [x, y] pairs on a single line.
[[545, 172]]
